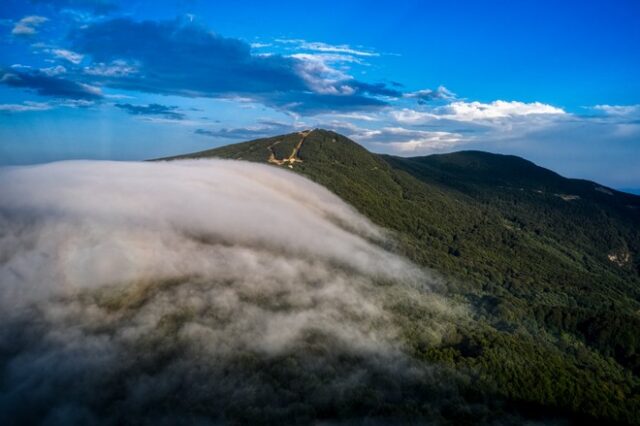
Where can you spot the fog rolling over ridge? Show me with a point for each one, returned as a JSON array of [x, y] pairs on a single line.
[[210, 291]]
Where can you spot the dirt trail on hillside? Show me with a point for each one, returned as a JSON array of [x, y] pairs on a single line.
[[293, 157]]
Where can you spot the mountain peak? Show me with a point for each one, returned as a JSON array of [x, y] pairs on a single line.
[[292, 149]]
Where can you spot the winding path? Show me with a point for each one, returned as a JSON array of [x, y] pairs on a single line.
[[293, 157]]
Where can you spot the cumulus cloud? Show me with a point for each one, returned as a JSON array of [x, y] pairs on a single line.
[[404, 141], [48, 84], [201, 291], [184, 58], [166, 111], [477, 111], [28, 25], [470, 111], [320, 75]]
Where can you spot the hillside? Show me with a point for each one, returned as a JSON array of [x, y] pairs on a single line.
[[549, 266]]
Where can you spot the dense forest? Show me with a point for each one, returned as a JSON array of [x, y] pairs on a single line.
[[548, 267]]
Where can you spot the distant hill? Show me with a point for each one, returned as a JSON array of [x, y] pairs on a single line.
[[550, 265]]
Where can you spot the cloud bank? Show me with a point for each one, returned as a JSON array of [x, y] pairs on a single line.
[[184, 58], [200, 291]]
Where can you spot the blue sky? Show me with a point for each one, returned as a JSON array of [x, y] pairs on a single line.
[[555, 82]]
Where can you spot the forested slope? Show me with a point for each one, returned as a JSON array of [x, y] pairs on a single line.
[[549, 266]]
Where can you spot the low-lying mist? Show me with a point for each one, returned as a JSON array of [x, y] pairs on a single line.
[[205, 291]]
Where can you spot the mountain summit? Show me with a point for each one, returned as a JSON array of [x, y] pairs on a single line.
[[285, 149], [549, 266]]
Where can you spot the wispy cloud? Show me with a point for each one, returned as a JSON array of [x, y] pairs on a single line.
[[619, 110], [315, 46], [264, 129], [117, 68], [427, 95], [28, 26], [166, 111], [258, 45], [25, 107], [341, 48], [53, 71], [68, 55]]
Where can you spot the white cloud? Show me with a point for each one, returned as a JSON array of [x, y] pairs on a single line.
[[618, 110], [52, 71], [28, 25], [326, 47], [179, 122], [260, 45], [326, 57], [323, 66], [472, 111], [412, 116], [354, 116], [476, 111], [68, 55], [409, 141], [25, 107], [117, 68], [77, 103], [437, 141], [441, 93], [341, 48], [193, 268], [320, 75], [21, 67], [92, 89], [111, 201]]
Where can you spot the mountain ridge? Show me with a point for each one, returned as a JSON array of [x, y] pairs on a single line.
[[478, 154], [549, 265]]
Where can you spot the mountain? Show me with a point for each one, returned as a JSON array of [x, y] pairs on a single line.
[[549, 266]]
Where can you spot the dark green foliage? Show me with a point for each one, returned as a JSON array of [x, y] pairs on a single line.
[[551, 267]]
